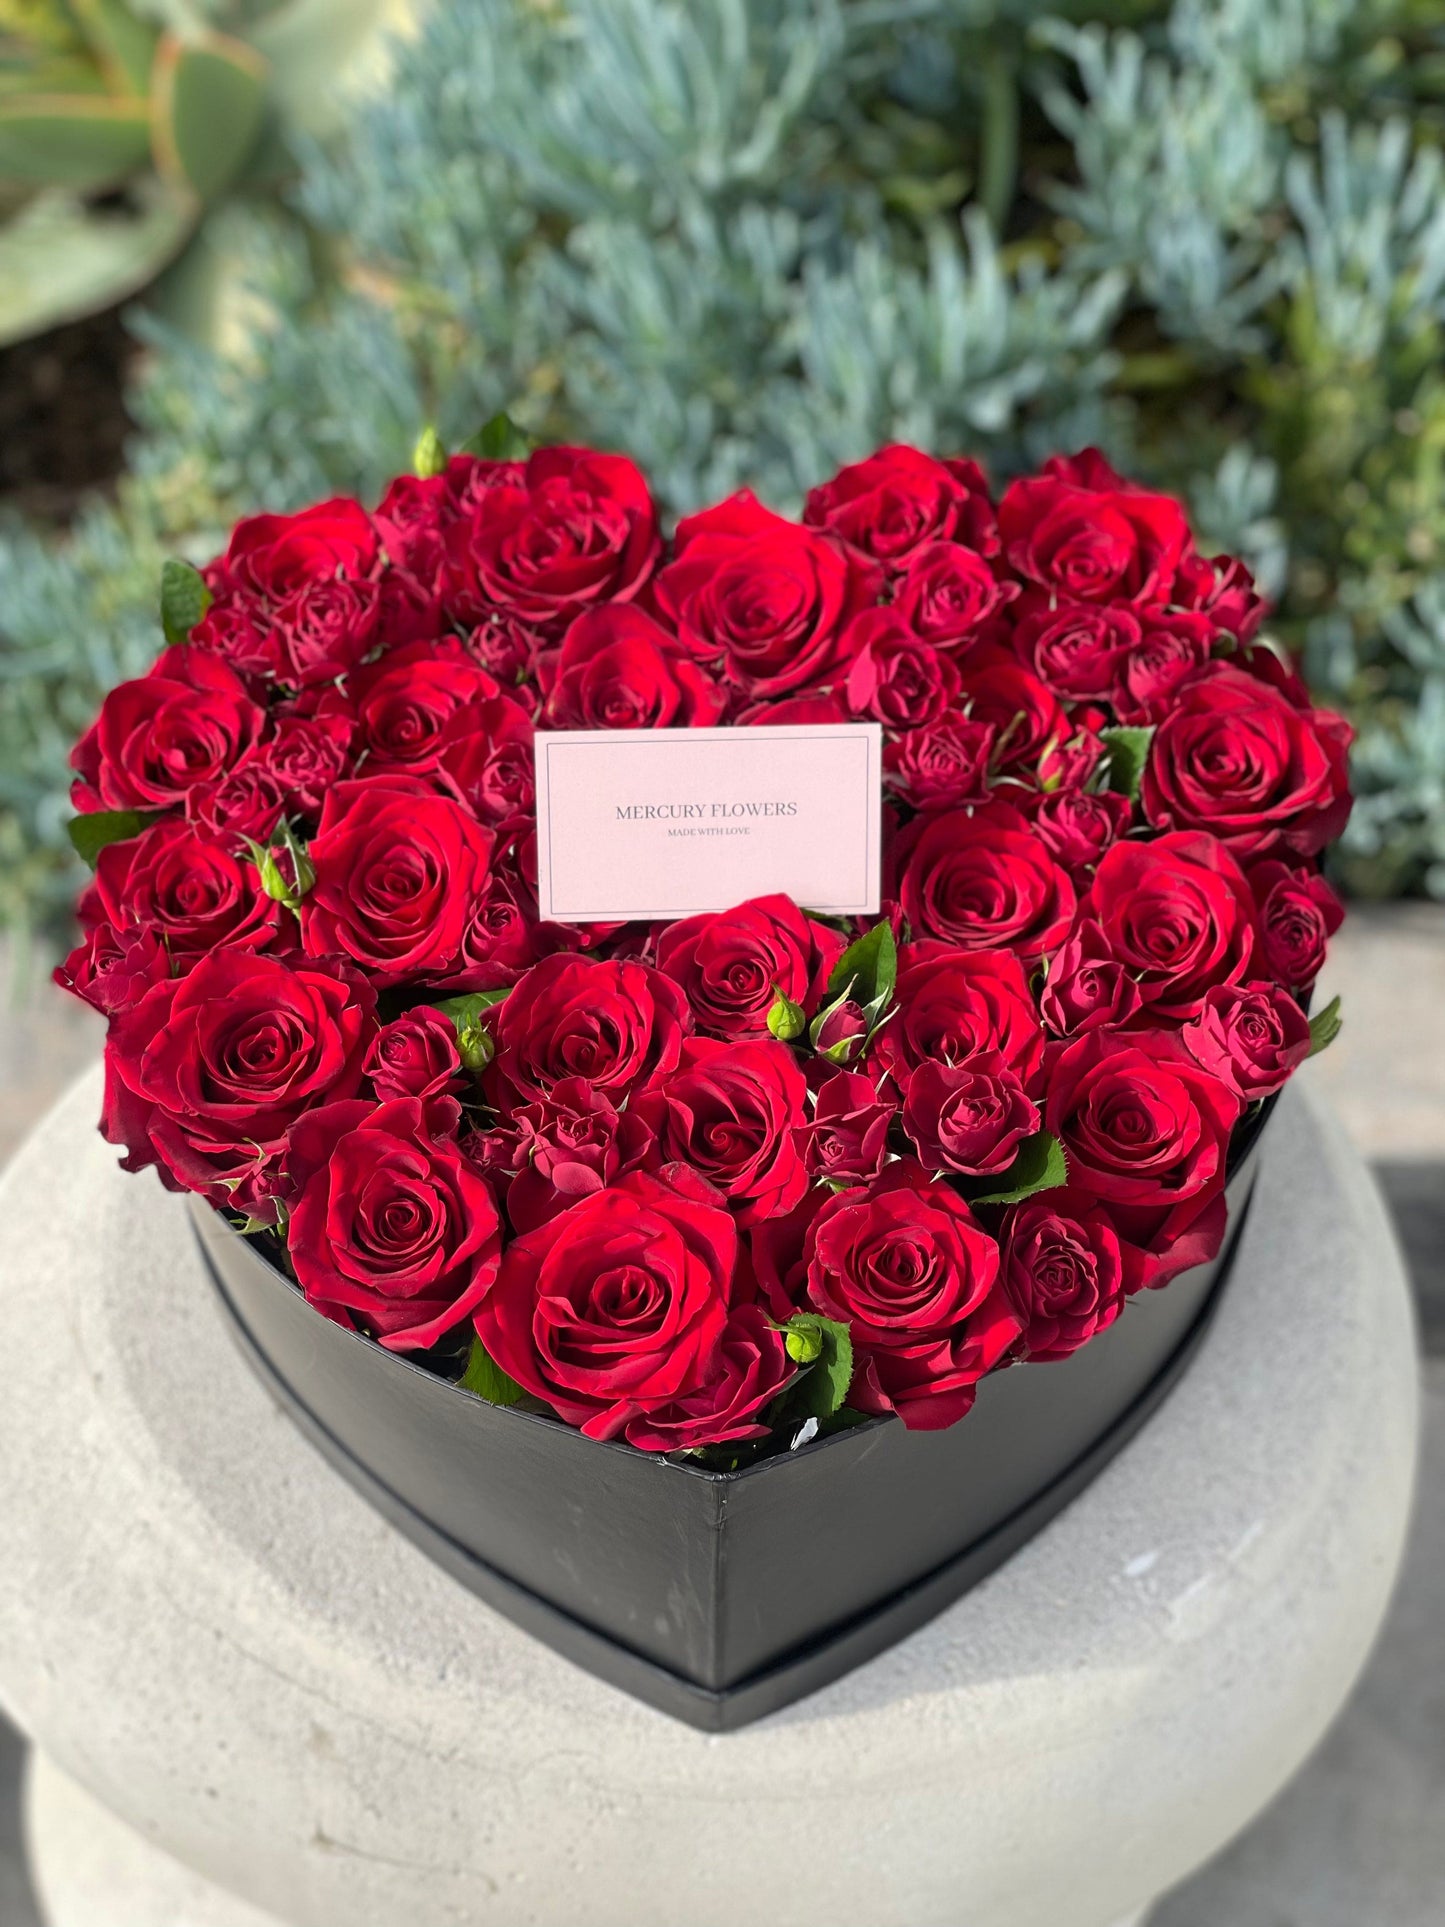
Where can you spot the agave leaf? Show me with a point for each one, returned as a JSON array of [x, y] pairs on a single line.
[[84, 142], [210, 103], [124, 44], [59, 260]]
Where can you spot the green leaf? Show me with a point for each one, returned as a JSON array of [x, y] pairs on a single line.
[[92, 832], [124, 43], [1039, 1166], [429, 457], [184, 599], [467, 1008], [869, 968], [86, 143], [1128, 753], [1325, 1027], [487, 1380], [786, 1020], [210, 103], [61, 258], [824, 1346], [499, 440]]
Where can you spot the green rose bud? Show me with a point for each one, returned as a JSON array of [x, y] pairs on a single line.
[[786, 1020], [803, 1346], [475, 1047], [429, 457]]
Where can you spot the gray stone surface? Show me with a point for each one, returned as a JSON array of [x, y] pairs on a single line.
[[210, 1633]]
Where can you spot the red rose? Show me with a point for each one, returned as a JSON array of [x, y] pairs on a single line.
[[892, 504], [947, 593], [502, 935], [1078, 826], [1062, 1270], [1178, 914], [1235, 757], [1087, 987], [760, 599], [1171, 646], [410, 518], [752, 1368], [1251, 1036], [405, 702], [416, 1056], [306, 754], [616, 1025], [732, 963], [617, 669], [113, 969], [487, 756], [274, 554], [983, 881], [186, 723], [246, 805], [398, 869], [1140, 1121], [392, 1229], [574, 530], [1298, 914], [237, 628], [941, 766], [731, 1111], [1222, 588], [324, 629], [618, 1306], [208, 1073], [957, 1006], [894, 676], [847, 1136], [1108, 542], [190, 891], [508, 650], [1078, 649], [1027, 719], [809, 707], [564, 1147], [907, 1265], [967, 1119], [778, 1247]]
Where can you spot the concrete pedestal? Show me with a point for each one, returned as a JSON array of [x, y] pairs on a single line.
[[257, 1706]]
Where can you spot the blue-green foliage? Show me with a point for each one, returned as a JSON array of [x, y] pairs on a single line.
[[747, 240]]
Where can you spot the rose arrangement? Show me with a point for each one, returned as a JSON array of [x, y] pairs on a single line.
[[716, 1183]]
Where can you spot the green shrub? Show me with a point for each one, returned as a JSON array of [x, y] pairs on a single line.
[[752, 239]]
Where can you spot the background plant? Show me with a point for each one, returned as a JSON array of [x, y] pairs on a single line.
[[752, 239]]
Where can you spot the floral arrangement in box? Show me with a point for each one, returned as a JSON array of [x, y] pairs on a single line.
[[715, 1183]]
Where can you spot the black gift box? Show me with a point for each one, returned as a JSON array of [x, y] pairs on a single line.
[[716, 1597]]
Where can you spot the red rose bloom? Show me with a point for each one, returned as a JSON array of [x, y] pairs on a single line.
[[941, 766], [398, 869], [392, 1229], [113, 969], [1171, 646], [1026, 717], [186, 723], [1235, 757], [894, 676], [752, 1368], [1062, 1270], [486, 756], [416, 1056], [1177, 913], [1251, 1036], [1078, 649], [907, 1265], [405, 702], [617, 669], [1298, 914], [731, 1112], [1221, 588], [1078, 826], [847, 1136], [305, 754], [564, 1147], [190, 891], [208, 1074], [947, 593], [615, 1025], [967, 1119], [732, 963], [761, 599], [324, 629], [983, 881], [237, 628], [575, 530], [274, 554], [959, 1006], [895, 502], [1104, 542], [1087, 987], [1141, 1122], [618, 1306]]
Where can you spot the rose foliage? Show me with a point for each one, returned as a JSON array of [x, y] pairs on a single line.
[[695, 1185]]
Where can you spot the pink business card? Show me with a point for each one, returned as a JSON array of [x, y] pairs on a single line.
[[644, 824]]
